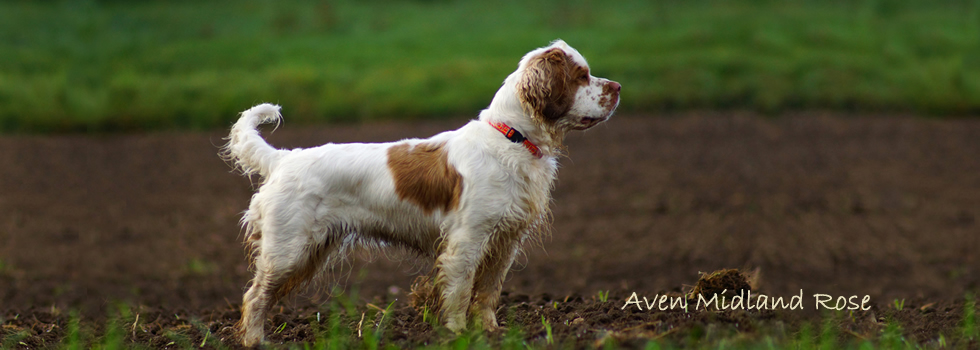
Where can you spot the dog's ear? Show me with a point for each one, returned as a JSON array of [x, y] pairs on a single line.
[[543, 87]]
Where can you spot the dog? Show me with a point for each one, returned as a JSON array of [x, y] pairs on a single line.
[[467, 198]]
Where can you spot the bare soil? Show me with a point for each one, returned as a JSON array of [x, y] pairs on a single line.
[[842, 205]]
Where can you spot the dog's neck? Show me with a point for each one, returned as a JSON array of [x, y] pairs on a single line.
[[506, 108]]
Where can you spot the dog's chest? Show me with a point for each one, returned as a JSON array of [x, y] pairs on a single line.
[[536, 182]]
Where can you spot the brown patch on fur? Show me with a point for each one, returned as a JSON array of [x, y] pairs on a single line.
[[252, 244], [609, 96], [424, 176], [549, 84]]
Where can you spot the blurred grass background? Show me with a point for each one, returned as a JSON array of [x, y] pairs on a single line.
[[142, 65]]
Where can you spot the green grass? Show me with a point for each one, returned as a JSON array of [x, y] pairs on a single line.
[[603, 296], [547, 329], [114, 65], [339, 328]]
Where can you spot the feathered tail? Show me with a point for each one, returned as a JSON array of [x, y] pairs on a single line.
[[246, 149]]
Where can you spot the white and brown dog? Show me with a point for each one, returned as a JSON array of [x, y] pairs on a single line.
[[467, 198]]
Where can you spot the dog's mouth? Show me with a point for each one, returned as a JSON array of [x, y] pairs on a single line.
[[587, 122]]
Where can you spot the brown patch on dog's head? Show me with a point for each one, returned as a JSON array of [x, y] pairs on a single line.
[[424, 176], [549, 84], [610, 95]]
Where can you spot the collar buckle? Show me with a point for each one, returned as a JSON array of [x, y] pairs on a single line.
[[516, 136]]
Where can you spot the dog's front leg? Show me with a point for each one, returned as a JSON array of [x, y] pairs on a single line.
[[490, 276], [457, 266]]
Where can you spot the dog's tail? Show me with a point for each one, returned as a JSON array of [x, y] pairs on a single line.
[[246, 149]]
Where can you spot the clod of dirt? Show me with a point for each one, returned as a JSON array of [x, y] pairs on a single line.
[[725, 282]]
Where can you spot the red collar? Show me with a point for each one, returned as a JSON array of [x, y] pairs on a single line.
[[515, 136]]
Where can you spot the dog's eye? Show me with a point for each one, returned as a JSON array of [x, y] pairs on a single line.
[[584, 77]]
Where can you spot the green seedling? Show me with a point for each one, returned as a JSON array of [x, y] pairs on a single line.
[[547, 330]]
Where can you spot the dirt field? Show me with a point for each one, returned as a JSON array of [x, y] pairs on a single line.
[[831, 204]]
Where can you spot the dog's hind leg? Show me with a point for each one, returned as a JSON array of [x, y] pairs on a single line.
[[257, 302], [288, 257]]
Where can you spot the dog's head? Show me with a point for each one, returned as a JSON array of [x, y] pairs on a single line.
[[555, 85]]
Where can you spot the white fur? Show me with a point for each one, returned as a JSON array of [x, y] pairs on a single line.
[[337, 197]]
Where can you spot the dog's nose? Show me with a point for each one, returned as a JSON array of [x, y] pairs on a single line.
[[614, 86]]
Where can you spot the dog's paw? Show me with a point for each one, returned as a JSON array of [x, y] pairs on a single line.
[[456, 324], [254, 341]]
